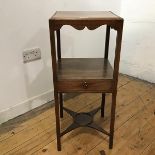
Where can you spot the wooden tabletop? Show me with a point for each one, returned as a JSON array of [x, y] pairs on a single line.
[[85, 15]]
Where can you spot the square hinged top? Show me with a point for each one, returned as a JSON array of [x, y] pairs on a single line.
[[85, 15]]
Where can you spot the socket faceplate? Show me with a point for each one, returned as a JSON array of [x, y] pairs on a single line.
[[31, 55]]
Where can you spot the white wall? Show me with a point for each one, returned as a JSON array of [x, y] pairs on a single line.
[[24, 24], [138, 48]]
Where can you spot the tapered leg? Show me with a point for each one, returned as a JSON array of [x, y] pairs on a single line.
[[102, 104], [61, 104], [57, 121], [113, 107]]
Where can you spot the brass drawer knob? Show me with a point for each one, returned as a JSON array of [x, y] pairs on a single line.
[[85, 85]]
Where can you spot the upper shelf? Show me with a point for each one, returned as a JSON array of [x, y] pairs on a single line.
[[82, 19]]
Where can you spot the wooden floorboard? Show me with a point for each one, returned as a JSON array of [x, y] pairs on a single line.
[[34, 132]]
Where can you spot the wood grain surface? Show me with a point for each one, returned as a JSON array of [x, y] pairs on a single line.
[[34, 132]]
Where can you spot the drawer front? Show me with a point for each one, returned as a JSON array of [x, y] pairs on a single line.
[[85, 86]]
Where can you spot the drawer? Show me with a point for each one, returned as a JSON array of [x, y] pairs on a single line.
[[85, 86]]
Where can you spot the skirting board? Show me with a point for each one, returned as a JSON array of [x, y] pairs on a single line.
[[26, 106]]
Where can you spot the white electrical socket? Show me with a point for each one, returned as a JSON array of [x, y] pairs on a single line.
[[31, 55]]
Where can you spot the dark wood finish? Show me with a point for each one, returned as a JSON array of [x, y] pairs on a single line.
[[106, 57], [102, 104], [57, 120], [85, 74], [113, 107], [107, 42], [81, 19], [84, 68], [61, 104], [92, 86], [58, 45], [115, 77], [83, 119], [53, 53], [59, 59]]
